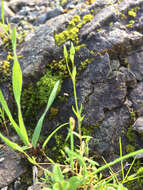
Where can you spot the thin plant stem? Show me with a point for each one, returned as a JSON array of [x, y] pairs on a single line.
[[122, 167], [129, 170]]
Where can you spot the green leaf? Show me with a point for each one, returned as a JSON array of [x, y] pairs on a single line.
[[65, 52], [74, 181], [40, 122], [57, 174], [63, 185], [17, 87], [72, 154], [72, 53], [16, 72], [6, 109], [74, 73], [11, 144]]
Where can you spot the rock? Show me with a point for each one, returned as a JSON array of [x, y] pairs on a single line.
[[48, 15], [136, 97], [36, 187], [138, 125], [114, 125], [135, 63], [11, 166], [131, 79]]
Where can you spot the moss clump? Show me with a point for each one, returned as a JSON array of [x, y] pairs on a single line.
[[58, 67], [132, 13], [131, 136], [88, 130], [83, 64], [45, 86], [53, 112], [5, 71], [131, 23], [71, 33], [36, 96], [130, 148]]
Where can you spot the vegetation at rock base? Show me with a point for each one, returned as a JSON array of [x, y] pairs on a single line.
[[78, 170]]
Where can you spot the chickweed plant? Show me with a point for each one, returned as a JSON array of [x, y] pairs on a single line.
[[79, 170]]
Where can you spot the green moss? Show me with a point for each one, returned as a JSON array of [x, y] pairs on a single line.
[[83, 64], [71, 33], [34, 97], [45, 86], [53, 112], [58, 67], [98, 30], [63, 98], [89, 130], [132, 13], [5, 71], [130, 148], [131, 136], [57, 152], [78, 47], [131, 23]]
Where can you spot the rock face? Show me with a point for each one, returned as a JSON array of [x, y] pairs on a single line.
[[110, 41], [11, 166]]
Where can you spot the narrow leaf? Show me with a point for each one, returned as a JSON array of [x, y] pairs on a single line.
[[22, 127], [50, 136], [40, 122], [57, 174], [6, 109], [16, 72], [11, 144]]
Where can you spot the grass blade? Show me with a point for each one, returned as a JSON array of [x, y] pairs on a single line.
[[40, 122], [50, 136], [17, 88], [132, 154], [2, 14], [11, 144], [16, 72]]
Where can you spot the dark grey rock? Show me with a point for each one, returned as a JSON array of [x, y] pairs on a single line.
[[108, 132], [136, 97], [48, 15], [11, 166], [131, 80], [135, 62]]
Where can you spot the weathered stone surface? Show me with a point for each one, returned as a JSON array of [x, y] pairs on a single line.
[[114, 125], [11, 166], [36, 187], [138, 125], [135, 61], [136, 97]]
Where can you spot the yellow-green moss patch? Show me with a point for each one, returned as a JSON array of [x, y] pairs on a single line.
[[71, 33]]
